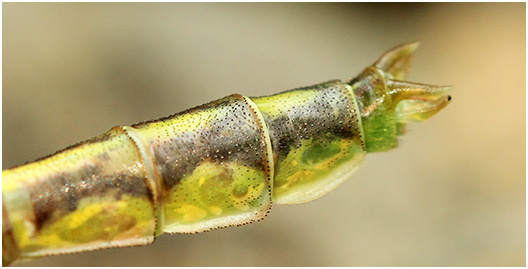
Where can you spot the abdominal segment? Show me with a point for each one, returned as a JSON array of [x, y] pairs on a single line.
[[89, 196], [214, 164], [317, 139]]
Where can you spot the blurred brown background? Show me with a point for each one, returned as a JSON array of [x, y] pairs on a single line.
[[452, 194]]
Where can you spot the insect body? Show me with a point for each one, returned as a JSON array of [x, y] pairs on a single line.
[[217, 165]]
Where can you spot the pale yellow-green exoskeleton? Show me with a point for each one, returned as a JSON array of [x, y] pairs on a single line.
[[213, 166]]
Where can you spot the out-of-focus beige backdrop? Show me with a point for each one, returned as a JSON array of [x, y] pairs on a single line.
[[452, 194]]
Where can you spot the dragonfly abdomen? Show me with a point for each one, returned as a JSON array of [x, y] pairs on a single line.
[[216, 165], [208, 167]]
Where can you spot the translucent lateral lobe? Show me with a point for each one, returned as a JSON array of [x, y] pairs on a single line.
[[214, 164], [317, 139], [88, 196]]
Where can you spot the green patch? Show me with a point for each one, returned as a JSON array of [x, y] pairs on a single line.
[[380, 131], [320, 151], [312, 161], [240, 190]]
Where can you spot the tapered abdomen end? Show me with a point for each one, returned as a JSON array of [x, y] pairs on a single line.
[[316, 137], [387, 103]]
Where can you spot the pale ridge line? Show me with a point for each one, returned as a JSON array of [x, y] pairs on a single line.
[[154, 179]]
